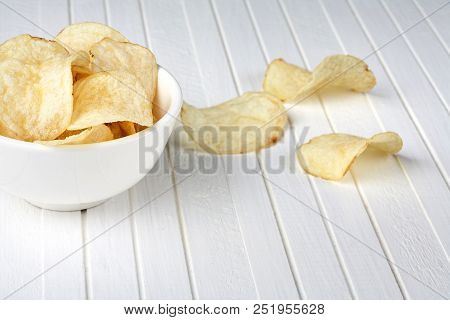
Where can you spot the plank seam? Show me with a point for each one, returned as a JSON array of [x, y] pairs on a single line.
[[194, 48], [136, 248], [42, 240], [86, 257], [70, 11], [416, 57], [432, 26]]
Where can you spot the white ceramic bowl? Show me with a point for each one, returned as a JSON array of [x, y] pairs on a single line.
[[69, 178]]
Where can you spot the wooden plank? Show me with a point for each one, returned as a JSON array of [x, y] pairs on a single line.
[[87, 11], [266, 254], [158, 241], [417, 161], [439, 19], [342, 205], [219, 264], [424, 44], [391, 201], [317, 267]]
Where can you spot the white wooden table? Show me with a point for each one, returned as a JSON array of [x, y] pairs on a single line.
[[383, 232]]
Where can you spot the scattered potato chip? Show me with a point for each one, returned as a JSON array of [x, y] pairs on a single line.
[[291, 83], [330, 156], [35, 98], [247, 123], [95, 134], [79, 38], [110, 55], [284, 80], [106, 97]]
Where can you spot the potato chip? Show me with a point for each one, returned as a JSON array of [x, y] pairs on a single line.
[[110, 55], [284, 80], [31, 50], [92, 135], [291, 83], [247, 123], [106, 97], [79, 73], [35, 99], [79, 38], [330, 156], [116, 130], [127, 128], [122, 129], [139, 128]]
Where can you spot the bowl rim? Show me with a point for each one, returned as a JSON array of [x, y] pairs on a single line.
[[172, 112]]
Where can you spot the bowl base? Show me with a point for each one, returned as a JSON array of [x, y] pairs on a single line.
[[66, 207]]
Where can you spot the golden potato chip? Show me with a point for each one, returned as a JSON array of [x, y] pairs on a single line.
[[291, 83], [116, 130], [106, 97], [35, 99], [330, 156], [79, 73], [31, 50], [110, 55], [247, 123], [139, 128], [127, 127], [92, 135], [79, 38]]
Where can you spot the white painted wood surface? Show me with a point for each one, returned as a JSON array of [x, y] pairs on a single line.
[[383, 232]]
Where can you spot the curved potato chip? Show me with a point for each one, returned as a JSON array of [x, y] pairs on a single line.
[[31, 50], [330, 156], [291, 83], [247, 123], [388, 142], [80, 37], [284, 80], [109, 55], [79, 73], [92, 135], [35, 99], [106, 97]]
